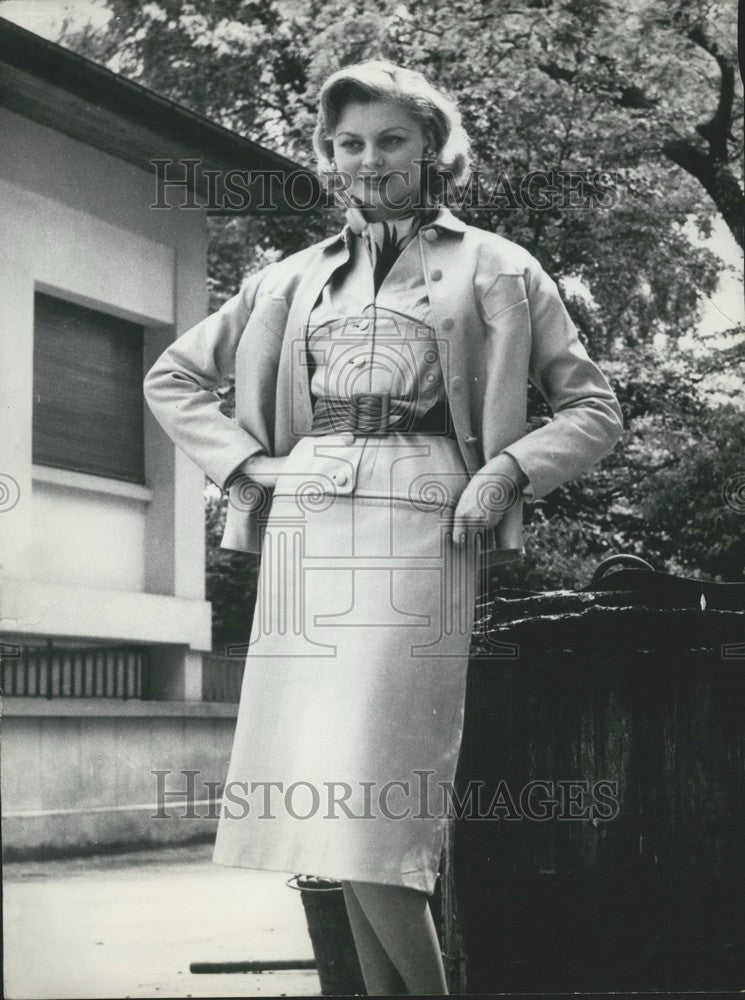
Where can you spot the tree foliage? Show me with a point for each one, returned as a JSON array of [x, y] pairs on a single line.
[[644, 91], [231, 581]]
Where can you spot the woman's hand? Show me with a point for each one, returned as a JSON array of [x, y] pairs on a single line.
[[492, 491], [261, 469]]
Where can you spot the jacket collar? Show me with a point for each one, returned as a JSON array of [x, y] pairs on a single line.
[[444, 220]]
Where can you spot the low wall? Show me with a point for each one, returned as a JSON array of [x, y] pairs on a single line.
[[77, 774]]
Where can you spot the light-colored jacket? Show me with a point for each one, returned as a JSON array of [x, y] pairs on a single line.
[[498, 318]]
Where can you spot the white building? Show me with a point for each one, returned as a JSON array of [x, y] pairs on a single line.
[[104, 618]]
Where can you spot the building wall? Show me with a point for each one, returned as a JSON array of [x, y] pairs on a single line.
[[78, 225], [106, 546], [101, 792], [87, 558]]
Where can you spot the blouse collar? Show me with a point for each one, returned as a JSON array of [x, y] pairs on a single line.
[[356, 222]]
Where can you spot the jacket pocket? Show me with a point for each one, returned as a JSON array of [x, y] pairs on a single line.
[[311, 469], [512, 320], [505, 291], [271, 311]]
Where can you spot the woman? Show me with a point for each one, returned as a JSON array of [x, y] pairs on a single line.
[[378, 457]]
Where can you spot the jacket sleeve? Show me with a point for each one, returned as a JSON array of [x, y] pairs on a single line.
[[179, 388], [587, 421]]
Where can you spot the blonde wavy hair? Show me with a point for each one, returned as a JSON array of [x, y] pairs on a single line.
[[377, 80]]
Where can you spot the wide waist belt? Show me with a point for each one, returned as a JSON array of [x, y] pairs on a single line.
[[378, 413]]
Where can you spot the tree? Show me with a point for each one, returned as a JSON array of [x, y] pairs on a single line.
[[231, 581], [543, 84], [640, 96]]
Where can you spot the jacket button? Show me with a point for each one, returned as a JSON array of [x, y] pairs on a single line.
[[456, 382], [448, 324], [430, 235], [436, 274], [363, 324], [340, 478]]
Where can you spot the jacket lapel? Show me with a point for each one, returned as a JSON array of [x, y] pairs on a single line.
[[334, 253]]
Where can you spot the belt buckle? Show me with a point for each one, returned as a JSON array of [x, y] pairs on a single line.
[[382, 415]]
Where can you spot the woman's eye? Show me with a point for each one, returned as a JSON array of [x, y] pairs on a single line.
[[388, 141]]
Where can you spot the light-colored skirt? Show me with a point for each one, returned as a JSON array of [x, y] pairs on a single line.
[[351, 712]]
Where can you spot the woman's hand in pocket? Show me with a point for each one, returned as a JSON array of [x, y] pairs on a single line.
[[491, 492], [262, 469]]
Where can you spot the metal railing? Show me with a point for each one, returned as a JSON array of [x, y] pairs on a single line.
[[74, 672]]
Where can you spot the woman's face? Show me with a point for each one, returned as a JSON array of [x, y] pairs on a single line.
[[376, 148]]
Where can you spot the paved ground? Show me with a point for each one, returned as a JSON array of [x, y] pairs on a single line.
[[130, 924]]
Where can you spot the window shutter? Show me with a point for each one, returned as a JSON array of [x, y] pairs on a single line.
[[88, 404]]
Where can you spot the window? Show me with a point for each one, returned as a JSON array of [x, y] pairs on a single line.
[[88, 406]]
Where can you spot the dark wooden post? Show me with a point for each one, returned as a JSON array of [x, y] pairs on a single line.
[[452, 916], [637, 683]]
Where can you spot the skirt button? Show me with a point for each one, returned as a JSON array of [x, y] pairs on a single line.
[[347, 439], [340, 478]]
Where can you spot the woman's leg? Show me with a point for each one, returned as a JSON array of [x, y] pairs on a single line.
[[401, 920], [378, 971]]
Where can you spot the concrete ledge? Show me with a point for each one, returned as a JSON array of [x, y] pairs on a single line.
[[65, 610], [114, 707], [208, 807], [90, 484]]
